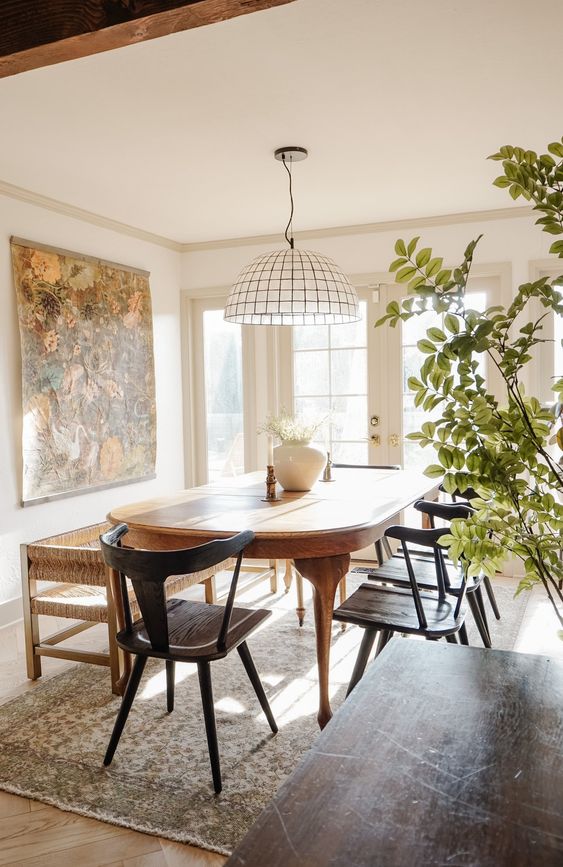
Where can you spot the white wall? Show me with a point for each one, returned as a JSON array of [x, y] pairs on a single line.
[[514, 240], [19, 524]]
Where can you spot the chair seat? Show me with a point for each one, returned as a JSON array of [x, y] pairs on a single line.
[[192, 631], [394, 571], [375, 607]]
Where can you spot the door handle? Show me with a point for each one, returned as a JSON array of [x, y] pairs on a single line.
[[374, 420]]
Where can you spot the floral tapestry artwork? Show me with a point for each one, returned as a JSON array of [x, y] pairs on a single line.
[[89, 414]]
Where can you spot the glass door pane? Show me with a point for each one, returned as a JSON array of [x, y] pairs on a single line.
[[411, 418], [222, 353], [557, 370], [330, 380]]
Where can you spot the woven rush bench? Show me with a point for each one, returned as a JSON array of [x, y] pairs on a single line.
[[65, 576]]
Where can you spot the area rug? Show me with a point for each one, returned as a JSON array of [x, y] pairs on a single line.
[[53, 738]]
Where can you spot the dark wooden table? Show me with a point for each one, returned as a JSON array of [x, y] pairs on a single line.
[[443, 755]]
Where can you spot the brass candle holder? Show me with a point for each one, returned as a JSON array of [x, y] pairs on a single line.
[[271, 494]]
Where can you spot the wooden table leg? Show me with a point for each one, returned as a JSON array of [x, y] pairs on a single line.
[[325, 574]]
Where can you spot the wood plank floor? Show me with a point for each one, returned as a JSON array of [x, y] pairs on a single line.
[[35, 835]]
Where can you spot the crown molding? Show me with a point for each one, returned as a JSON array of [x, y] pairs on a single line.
[[77, 213], [14, 192], [365, 228]]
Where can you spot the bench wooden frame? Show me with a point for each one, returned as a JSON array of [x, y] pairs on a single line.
[[74, 559]]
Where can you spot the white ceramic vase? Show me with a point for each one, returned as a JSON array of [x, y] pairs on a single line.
[[298, 465]]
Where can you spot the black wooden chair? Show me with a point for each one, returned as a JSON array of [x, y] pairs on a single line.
[[393, 571], [465, 497], [178, 630], [386, 610]]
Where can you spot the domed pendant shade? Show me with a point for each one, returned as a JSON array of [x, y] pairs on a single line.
[[292, 287]]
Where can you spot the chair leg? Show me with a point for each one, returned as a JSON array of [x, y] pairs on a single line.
[[300, 610], [463, 639], [342, 592], [491, 595], [481, 603], [170, 672], [254, 678], [126, 702], [384, 637], [362, 658], [451, 639], [379, 553], [204, 672], [478, 620], [387, 547]]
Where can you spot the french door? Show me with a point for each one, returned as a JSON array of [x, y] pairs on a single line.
[[353, 376], [335, 373], [406, 360], [223, 402], [356, 376]]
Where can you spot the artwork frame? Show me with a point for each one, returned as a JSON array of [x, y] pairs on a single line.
[[88, 379]]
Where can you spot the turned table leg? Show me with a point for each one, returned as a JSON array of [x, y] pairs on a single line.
[[324, 573]]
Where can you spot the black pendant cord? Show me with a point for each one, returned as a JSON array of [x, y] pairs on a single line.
[[290, 221]]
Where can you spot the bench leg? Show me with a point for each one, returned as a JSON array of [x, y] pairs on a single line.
[[210, 590], [288, 576], [120, 662], [274, 576], [30, 620]]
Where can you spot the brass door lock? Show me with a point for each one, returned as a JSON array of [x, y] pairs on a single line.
[[394, 440], [375, 440]]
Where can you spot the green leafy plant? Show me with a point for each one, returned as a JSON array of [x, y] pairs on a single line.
[[291, 429], [497, 445]]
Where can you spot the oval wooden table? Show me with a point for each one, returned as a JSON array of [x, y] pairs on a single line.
[[318, 529]]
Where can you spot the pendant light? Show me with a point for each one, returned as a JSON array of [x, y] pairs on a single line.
[[292, 287]]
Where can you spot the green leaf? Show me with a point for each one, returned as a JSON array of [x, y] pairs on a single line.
[[434, 471], [502, 181], [436, 334], [555, 148], [434, 266], [398, 263], [405, 274], [452, 323], [426, 346], [400, 248], [412, 246], [423, 257]]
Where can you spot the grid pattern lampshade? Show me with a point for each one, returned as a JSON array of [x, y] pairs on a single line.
[[292, 287]]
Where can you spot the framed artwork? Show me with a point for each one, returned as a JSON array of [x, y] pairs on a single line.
[[88, 389]]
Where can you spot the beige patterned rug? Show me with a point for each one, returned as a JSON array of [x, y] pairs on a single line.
[[52, 739]]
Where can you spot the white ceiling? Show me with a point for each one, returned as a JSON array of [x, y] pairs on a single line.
[[398, 101]]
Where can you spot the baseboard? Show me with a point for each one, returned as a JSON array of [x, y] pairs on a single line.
[[10, 611]]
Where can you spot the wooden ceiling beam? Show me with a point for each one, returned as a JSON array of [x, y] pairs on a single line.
[[35, 33]]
